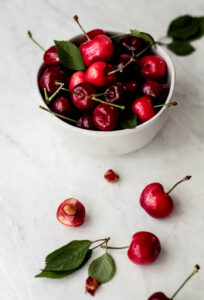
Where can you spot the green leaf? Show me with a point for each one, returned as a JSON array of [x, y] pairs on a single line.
[[103, 268], [61, 274], [181, 48], [68, 257], [69, 55], [130, 121], [143, 35], [183, 27]]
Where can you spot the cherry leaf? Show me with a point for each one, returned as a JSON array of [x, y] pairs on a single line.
[[183, 27], [143, 35], [181, 48], [130, 121], [103, 268]]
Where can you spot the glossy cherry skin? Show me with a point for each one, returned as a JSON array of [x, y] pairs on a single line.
[[86, 122], [91, 34], [71, 212], [81, 96], [131, 43], [105, 117], [76, 78], [51, 57], [115, 92], [152, 67], [97, 74], [144, 248], [62, 105], [152, 88], [123, 60], [158, 296], [155, 201], [49, 78], [131, 87], [100, 48], [143, 108]]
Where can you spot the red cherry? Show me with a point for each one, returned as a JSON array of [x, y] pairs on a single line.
[[62, 106], [91, 34], [131, 87], [159, 296], [100, 48], [91, 285], [155, 201], [115, 92], [152, 88], [50, 77], [143, 108], [76, 78], [86, 122], [144, 248], [51, 57], [105, 117], [152, 67], [131, 43], [71, 212], [97, 74], [81, 96], [111, 176]]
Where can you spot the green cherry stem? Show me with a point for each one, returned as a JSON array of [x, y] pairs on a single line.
[[104, 242], [58, 115], [166, 104], [76, 19], [55, 93], [31, 37], [196, 269], [114, 248], [182, 180], [46, 96]]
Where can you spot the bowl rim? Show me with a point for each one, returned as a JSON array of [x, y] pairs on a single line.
[[120, 132]]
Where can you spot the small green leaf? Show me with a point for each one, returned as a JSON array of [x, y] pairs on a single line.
[[143, 35], [68, 257], [69, 55], [181, 48], [130, 121], [183, 27], [61, 274], [103, 268], [201, 21]]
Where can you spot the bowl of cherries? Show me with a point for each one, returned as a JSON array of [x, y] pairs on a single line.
[[108, 93]]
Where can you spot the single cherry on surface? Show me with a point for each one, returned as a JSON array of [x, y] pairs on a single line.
[[76, 78], [156, 202], [162, 296], [81, 96], [71, 212], [111, 176], [115, 92], [98, 74], [50, 77], [62, 105], [152, 88], [93, 33], [86, 122], [105, 117], [152, 67], [144, 248], [100, 48], [92, 285], [143, 108]]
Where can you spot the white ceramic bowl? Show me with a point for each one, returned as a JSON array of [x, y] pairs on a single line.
[[120, 141]]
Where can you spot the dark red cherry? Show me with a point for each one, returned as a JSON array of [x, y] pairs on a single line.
[[131, 87], [143, 108], [62, 106], [115, 92], [51, 57], [81, 96], [152, 88], [50, 77], [123, 59], [152, 67], [158, 296], [97, 74], [91, 34], [105, 117], [131, 43], [86, 122]]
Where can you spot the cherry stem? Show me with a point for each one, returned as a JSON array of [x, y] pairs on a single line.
[[46, 96], [67, 90], [196, 269], [182, 180], [55, 93], [108, 103], [166, 104], [76, 19], [116, 248], [145, 49], [58, 115], [99, 240], [105, 241], [119, 35], [31, 37]]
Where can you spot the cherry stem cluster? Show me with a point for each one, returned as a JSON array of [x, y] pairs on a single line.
[[104, 241], [31, 37], [182, 180]]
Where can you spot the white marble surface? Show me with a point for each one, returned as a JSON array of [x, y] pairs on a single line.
[[38, 171]]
